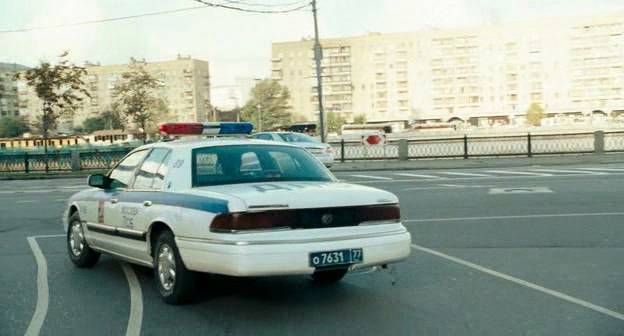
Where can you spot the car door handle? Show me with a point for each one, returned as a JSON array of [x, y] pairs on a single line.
[[147, 203], [114, 200]]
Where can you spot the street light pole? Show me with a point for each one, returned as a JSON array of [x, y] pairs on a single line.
[[318, 54], [259, 107]]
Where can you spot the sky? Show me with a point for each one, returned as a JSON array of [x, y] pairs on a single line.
[[239, 44]]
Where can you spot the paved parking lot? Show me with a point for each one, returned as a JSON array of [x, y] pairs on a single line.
[[513, 251]]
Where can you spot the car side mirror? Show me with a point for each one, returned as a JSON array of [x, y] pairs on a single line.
[[99, 181]]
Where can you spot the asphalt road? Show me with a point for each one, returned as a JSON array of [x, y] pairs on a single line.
[[509, 251]]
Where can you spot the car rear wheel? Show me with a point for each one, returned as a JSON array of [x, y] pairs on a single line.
[[175, 283], [79, 251], [329, 276]]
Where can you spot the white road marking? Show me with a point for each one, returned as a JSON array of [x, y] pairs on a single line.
[[524, 283], [48, 236], [43, 295], [373, 177], [459, 219], [449, 186], [516, 172], [136, 301], [465, 174], [506, 177], [418, 175], [619, 170], [566, 171], [25, 201], [520, 190]]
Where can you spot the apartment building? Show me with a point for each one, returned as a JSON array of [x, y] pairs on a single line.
[[8, 89], [185, 89], [480, 75]]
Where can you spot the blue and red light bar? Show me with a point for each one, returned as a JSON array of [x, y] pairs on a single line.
[[206, 128]]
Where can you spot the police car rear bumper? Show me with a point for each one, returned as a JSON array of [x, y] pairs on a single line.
[[264, 258]]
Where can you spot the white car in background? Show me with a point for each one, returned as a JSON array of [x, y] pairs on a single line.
[[322, 151]]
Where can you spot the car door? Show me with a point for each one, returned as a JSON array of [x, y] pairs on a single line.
[[109, 207], [140, 205]]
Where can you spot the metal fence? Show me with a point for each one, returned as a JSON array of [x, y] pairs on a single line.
[[403, 149], [482, 146], [63, 161]]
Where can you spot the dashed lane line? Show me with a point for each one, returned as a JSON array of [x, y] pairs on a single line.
[[418, 175], [567, 171], [618, 170], [136, 301], [507, 177], [524, 283], [516, 172], [465, 174], [460, 219], [374, 177], [25, 201]]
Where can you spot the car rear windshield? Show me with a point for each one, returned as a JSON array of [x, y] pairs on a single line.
[[255, 163], [296, 137]]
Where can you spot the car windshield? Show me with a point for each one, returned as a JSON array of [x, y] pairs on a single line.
[[255, 163], [296, 137]]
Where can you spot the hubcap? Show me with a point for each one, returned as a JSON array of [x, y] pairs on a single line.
[[166, 267], [76, 239]]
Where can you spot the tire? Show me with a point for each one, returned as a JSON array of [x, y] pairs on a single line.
[[329, 276], [80, 253], [179, 288]]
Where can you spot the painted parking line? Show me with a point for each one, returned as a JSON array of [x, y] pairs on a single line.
[[418, 175], [43, 292], [136, 301], [524, 283], [516, 173], [464, 174], [460, 219], [374, 177]]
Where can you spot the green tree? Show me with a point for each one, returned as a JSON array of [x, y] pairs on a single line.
[[11, 127], [359, 119], [334, 121], [61, 90], [535, 114], [268, 105], [137, 99], [107, 120]]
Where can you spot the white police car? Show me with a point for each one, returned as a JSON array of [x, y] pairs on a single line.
[[235, 207]]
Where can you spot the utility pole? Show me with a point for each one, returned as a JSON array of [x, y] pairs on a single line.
[[318, 54], [259, 107]]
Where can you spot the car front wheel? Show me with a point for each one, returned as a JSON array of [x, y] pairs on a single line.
[[175, 283], [79, 250]]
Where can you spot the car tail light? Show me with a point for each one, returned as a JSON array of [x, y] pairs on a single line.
[[378, 213], [253, 221], [305, 218]]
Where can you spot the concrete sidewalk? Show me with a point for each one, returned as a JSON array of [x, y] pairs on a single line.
[[542, 160]]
